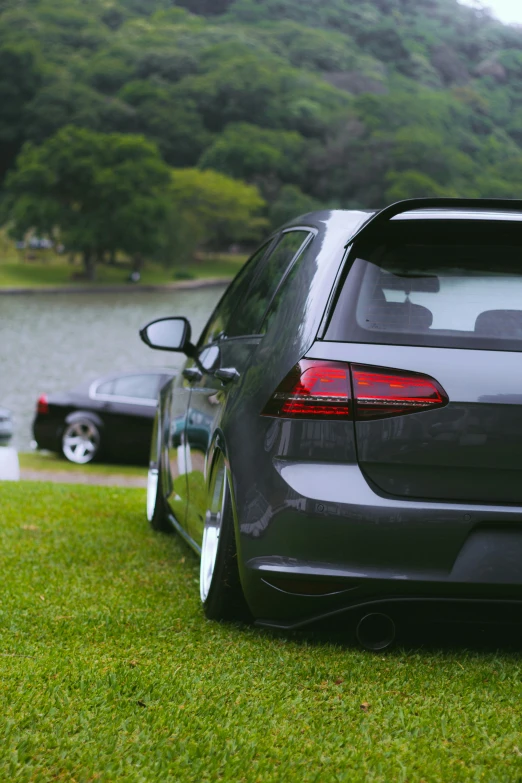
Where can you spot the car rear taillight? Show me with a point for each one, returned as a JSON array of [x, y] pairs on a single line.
[[42, 406], [313, 389], [317, 389], [381, 393]]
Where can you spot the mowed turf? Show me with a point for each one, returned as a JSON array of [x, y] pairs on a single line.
[[49, 461], [109, 672]]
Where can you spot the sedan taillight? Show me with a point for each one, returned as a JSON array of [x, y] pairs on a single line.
[[42, 406], [317, 389]]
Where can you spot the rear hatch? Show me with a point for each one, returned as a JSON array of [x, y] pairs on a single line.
[[439, 296]]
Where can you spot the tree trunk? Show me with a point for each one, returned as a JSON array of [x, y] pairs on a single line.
[[137, 262], [89, 265]]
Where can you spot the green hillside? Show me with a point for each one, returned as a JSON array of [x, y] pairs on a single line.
[[337, 103]]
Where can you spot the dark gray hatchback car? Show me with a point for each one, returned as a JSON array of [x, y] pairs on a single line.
[[345, 439]]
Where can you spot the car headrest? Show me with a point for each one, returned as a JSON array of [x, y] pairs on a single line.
[[399, 317], [378, 296], [500, 323], [414, 282]]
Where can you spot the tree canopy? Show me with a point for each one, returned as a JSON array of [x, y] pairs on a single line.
[[94, 192], [335, 103], [208, 208]]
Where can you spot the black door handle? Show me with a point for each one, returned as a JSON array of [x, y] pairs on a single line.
[[227, 375], [192, 374]]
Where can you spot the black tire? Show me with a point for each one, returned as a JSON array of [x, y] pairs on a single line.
[[157, 510], [158, 518], [224, 600]]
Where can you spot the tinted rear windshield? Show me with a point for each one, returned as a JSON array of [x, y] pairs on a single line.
[[444, 286]]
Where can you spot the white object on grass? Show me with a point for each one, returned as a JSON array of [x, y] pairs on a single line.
[[9, 465]]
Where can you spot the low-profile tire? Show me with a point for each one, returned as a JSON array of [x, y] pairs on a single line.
[[220, 586], [81, 440], [157, 509], [156, 504]]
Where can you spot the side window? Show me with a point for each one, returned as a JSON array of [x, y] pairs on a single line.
[[106, 387], [220, 319], [250, 312], [284, 294], [140, 386]]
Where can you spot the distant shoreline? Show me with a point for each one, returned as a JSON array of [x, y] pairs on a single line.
[[128, 288]]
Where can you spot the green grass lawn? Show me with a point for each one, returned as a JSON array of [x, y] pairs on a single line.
[[47, 461], [50, 269], [109, 672]]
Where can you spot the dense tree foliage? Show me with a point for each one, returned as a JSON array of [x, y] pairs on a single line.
[[208, 208], [95, 192], [100, 194], [336, 103]]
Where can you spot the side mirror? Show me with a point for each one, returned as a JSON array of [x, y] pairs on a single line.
[[168, 334]]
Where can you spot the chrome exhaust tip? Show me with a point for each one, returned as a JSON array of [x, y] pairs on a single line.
[[375, 632]]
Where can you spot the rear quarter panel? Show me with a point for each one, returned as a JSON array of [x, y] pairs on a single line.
[[253, 441]]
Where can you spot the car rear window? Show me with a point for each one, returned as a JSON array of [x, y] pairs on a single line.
[[456, 287]]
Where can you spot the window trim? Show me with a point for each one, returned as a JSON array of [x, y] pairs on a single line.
[[311, 235], [342, 272]]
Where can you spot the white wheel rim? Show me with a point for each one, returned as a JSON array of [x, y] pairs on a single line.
[[211, 535], [81, 441], [152, 491]]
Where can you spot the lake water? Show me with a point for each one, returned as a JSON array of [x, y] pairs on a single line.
[[53, 342]]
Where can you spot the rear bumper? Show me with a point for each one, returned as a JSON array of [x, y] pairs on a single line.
[[47, 432], [336, 546], [422, 610]]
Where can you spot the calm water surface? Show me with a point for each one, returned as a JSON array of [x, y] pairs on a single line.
[[52, 342]]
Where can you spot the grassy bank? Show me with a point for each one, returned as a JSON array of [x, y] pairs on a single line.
[[35, 460], [110, 673], [49, 269]]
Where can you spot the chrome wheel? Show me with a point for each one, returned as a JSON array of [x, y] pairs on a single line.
[[152, 492], [81, 441], [211, 533]]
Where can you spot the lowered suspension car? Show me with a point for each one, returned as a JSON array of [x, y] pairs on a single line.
[[345, 439]]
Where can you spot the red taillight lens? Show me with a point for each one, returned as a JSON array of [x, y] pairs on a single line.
[[381, 393], [317, 389], [42, 406], [313, 389]]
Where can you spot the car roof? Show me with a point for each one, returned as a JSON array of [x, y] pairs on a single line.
[[361, 221], [320, 219]]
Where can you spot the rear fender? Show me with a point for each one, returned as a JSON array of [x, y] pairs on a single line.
[[77, 415], [218, 449]]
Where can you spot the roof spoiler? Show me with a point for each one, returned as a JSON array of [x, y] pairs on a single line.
[[414, 204]]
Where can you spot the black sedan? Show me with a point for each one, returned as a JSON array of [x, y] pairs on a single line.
[[111, 417]]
